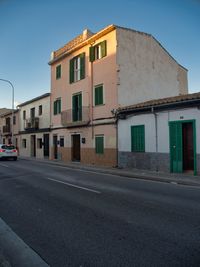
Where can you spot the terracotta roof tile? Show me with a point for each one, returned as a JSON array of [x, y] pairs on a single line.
[[161, 101]]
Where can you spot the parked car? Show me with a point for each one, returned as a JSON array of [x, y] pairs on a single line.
[[8, 152]]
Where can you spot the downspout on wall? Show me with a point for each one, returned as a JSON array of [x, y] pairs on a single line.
[[156, 134]]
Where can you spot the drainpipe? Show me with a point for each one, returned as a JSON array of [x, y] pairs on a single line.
[[91, 105], [156, 135]]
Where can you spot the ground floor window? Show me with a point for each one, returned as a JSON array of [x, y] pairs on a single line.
[[138, 138], [24, 143], [99, 144]]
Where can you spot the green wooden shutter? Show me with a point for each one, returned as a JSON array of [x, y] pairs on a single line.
[[92, 54], [54, 108], [71, 71], [176, 146], [82, 65], [80, 107], [99, 144], [103, 49], [58, 72], [138, 138], [98, 95], [59, 106], [74, 116]]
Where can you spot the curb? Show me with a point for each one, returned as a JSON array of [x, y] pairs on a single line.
[[14, 249]]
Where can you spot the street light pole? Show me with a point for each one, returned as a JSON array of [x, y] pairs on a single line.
[[12, 127]]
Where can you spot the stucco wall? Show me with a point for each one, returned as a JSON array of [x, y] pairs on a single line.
[[142, 160], [44, 119], [146, 71]]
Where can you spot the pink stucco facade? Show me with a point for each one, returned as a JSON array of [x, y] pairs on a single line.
[[128, 72]]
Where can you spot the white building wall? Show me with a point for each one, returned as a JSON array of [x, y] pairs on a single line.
[[145, 70], [163, 118]]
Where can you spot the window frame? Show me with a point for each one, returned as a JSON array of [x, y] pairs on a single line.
[[77, 68], [99, 97], [58, 71], [98, 51], [99, 144], [57, 106], [138, 138]]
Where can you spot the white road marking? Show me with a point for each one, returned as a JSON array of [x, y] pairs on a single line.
[[76, 186], [4, 165]]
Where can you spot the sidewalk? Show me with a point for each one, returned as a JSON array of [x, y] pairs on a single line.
[[179, 178]]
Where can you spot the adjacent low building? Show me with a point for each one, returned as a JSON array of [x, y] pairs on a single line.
[[161, 134], [34, 127]]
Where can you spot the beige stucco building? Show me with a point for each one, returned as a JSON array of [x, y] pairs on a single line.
[[9, 126], [92, 76], [34, 127]]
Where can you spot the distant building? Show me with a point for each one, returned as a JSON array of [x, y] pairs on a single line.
[[7, 127], [34, 129], [95, 74], [161, 135]]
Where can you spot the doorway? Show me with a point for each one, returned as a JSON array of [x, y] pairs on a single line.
[[46, 145], [33, 146], [55, 146], [182, 146], [76, 147]]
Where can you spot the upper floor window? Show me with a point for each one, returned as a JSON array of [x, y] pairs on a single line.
[[98, 95], [58, 72], [77, 68], [24, 114], [14, 119], [40, 110], [57, 106], [98, 51]]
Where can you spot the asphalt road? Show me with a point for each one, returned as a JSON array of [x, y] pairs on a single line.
[[80, 218]]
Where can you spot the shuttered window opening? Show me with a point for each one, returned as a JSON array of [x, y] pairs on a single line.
[[58, 72], [77, 107], [138, 138], [57, 106], [98, 51], [98, 95], [77, 68], [99, 144]]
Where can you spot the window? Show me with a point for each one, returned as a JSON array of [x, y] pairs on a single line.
[[62, 141], [24, 143], [24, 114], [98, 95], [14, 120], [77, 107], [39, 142], [77, 68], [138, 138], [57, 106], [98, 51], [58, 72], [99, 144], [40, 110]]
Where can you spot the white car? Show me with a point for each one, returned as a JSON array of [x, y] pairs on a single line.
[[8, 152]]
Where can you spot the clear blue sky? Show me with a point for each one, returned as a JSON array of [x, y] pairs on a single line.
[[30, 30]]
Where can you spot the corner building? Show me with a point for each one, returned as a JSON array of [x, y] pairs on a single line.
[[95, 74]]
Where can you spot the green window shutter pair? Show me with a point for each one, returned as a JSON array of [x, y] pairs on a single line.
[[98, 95], [103, 50], [57, 107], [58, 72], [138, 138], [99, 144], [82, 68], [77, 107]]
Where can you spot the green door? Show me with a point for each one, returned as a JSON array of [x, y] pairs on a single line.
[[77, 107], [176, 146]]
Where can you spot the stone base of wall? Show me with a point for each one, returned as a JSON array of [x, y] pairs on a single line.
[[109, 158], [88, 156], [144, 161]]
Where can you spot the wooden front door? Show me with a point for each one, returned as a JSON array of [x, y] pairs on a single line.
[[55, 146], [188, 147], [76, 147]]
